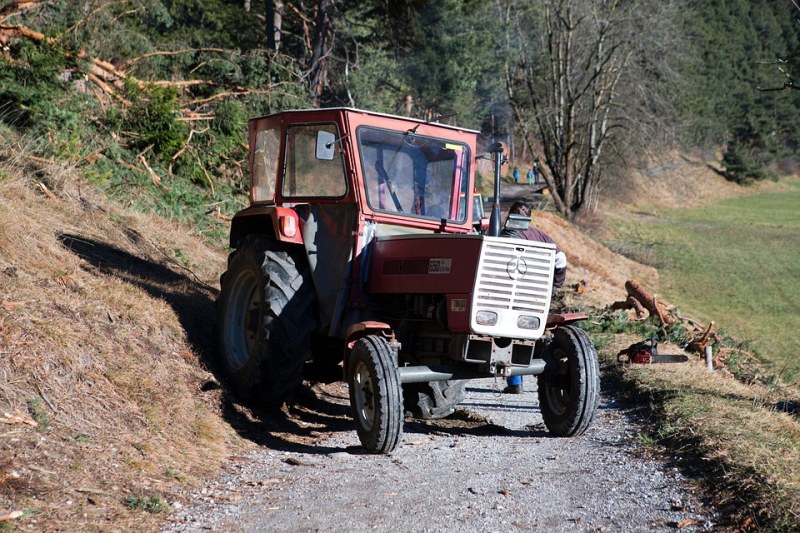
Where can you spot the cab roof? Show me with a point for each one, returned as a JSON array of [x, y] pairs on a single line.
[[362, 111]]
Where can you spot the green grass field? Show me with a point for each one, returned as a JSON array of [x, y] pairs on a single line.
[[736, 263]]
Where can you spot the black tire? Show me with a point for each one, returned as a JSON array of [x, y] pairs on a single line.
[[376, 399], [570, 390], [435, 399], [265, 315]]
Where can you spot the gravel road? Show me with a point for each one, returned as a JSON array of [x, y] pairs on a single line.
[[489, 467]]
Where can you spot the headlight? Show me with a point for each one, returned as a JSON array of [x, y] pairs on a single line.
[[486, 318], [527, 322]]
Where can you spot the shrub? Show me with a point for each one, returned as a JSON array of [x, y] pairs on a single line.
[[152, 503], [153, 120], [745, 163]]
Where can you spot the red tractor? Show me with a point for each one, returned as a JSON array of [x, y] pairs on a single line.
[[359, 248]]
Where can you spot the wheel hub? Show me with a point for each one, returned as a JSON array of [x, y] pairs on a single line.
[[364, 396]]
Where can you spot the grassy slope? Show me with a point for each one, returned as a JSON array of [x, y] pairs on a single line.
[[102, 344], [737, 263], [729, 256]]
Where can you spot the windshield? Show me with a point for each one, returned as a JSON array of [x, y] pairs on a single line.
[[414, 175]]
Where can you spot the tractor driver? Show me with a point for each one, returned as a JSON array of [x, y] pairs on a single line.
[[560, 269]]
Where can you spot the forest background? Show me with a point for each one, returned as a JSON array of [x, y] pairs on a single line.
[[150, 97]]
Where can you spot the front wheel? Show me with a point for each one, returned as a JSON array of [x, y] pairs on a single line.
[[569, 391], [376, 398]]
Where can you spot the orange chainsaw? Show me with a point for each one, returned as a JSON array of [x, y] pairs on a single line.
[[646, 353]]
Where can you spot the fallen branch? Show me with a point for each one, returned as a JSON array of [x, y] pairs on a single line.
[[18, 418], [181, 83], [47, 192], [40, 160], [98, 492], [635, 289], [153, 176], [13, 515], [210, 181], [134, 60], [225, 94], [219, 215], [13, 30], [47, 400], [106, 88], [182, 150], [14, 8], [699, 344], [130, 167]]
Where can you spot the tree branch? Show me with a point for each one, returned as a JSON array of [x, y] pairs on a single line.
[[130, 62], [17, 7]]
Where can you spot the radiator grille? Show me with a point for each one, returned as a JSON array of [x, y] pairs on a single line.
[[514, 278]]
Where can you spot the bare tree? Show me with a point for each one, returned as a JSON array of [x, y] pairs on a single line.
[[575, 89]]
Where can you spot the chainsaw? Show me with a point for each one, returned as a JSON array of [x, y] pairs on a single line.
[[646, 352]]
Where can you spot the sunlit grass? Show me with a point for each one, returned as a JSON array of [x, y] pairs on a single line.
[[737, 263], [747, 447]]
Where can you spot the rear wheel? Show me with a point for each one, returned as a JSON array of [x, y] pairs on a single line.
[[265, 315], [375, 395], [569, 391]]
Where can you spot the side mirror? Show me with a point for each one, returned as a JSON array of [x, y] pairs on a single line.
[[325, 142]]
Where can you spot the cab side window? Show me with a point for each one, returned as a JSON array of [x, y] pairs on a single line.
[[265, 165], [305, 174]]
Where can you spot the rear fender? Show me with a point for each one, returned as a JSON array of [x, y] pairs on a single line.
[[281, 222]]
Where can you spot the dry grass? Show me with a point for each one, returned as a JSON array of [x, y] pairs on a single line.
[[604, 271], [95, 315], [674, 180], [743, 442]]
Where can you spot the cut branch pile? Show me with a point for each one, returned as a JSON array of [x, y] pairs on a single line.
[[109, 82], [698, 336], [107, 77], [645, 304]]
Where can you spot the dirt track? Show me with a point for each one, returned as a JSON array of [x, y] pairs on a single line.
[[490, 467]]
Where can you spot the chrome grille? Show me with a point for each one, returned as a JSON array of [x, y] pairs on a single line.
[[514, 278]]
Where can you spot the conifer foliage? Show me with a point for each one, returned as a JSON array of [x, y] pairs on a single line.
[[152, 96]]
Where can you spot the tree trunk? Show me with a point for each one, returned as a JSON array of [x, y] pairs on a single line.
[[273, 12], [321, 45], [572, 62]]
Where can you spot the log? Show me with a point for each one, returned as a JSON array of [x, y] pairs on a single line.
[[661, 310], [632, 303]]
